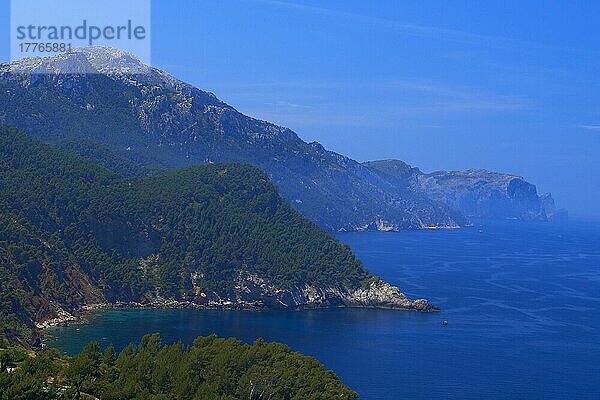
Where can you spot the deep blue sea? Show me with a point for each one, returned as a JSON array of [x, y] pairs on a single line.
[[522, 302]]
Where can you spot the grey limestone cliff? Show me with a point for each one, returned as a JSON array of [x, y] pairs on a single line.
[[476, 193]]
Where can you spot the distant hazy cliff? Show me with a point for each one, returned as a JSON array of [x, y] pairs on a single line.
[[475, 193]]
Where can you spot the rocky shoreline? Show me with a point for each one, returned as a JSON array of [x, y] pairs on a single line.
[[254, 294]]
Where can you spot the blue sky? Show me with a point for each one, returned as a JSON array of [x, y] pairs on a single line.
[[508, 85]]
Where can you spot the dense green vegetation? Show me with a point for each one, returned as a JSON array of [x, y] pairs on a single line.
[[73, 233], [121, 162], [211, 368]]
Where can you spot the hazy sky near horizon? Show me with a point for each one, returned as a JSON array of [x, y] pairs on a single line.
[[506, 85]]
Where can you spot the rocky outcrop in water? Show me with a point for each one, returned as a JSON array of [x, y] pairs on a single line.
[[253, 291]]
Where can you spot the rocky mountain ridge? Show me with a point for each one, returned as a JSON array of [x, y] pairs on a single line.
[[145, 115], [152, 121]]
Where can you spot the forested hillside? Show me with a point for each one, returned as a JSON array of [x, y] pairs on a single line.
[[74, 234]]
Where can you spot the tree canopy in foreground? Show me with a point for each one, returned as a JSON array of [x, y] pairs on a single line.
[[211, 368]]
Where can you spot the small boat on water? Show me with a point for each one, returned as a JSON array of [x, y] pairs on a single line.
[[445, 322]]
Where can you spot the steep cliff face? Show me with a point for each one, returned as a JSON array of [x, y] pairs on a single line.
[[484, 194], [475, 193], [549, 208], [122, 109], [254, 291]]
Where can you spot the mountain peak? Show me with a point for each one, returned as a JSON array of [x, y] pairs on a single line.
[[104, 51], [109, 60], [83, 60], [112, 62]]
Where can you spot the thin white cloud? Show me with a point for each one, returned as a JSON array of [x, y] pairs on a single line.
[[589, 127], [389, 85], [432, 32], [287, 104], [432, 97], [379, 115], [452, 35]]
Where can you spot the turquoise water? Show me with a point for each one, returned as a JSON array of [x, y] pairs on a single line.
[[522, 301]]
